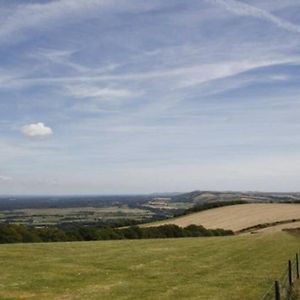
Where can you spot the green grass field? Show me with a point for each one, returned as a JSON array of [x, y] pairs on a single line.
[[219, 268]]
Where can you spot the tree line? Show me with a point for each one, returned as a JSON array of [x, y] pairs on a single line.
[[13, 233]]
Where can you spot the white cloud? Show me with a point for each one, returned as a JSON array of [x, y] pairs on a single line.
[[5, 178], [36, 130], [244, 9]]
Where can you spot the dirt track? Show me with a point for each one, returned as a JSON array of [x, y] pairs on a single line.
[[237, 217]]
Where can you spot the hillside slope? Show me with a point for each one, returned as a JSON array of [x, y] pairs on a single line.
[[235, 268], [238, 217]]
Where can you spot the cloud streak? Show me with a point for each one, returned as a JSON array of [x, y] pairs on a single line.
[[94, 92], [46, 16], [35, 15], [244, 9], [5, 178], [84, 86]]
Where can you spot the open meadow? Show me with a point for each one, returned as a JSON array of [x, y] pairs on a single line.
[[236, 267]]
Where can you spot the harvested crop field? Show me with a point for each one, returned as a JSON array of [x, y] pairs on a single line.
[[280, 227], [238, 217]]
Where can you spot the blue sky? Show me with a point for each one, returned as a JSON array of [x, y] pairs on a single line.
[[134, 96]]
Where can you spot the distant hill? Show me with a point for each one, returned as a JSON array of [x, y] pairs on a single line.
[[198, 197]]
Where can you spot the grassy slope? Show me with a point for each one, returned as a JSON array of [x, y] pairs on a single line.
[[237, 217], [238, 267]]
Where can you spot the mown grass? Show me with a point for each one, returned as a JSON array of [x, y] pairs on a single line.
[[219, 268]]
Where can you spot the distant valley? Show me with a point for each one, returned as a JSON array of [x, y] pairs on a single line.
[[118, 210]]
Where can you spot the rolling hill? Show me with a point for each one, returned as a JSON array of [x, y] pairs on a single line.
[[215, 268], [198, 197], [239, 217]]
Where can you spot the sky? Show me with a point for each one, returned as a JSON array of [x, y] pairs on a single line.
[[137, 96]]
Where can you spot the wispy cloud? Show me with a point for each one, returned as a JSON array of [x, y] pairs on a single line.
[[95, 92], [130, 84], [207, 73], [46, 16], [36, 15], [58, 57], [244, 9], [88, 86], [5, 178]]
